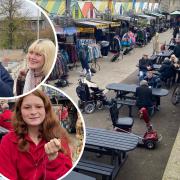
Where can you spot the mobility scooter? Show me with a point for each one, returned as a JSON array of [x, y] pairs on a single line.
[[90, 97], [124, 124]]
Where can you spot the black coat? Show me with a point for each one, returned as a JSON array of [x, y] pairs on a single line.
[[154, 81], [143, 63], [177, 51], [144, 96], [6, 83], [166, 70]]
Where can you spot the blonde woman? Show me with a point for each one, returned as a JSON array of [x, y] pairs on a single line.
[[40, 57]]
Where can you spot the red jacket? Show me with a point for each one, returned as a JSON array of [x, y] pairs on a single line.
[[5, 119], [34, 164]]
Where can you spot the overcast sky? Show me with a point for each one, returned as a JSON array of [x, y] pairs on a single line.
[[30, 8]]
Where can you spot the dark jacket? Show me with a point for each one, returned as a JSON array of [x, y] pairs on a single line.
[[144, 96], [166, 70], [154, 81], [177, 51], [20, 85], [143, 63], [6, 83], [176, 31]]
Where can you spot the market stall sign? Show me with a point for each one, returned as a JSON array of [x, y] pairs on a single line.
[[114, 24], [92, 24], [85, 30], [102, 26]]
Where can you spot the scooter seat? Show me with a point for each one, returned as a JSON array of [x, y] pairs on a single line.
[[96, 90], [125, 122]]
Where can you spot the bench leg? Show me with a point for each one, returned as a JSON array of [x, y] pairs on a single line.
[[130, 111], [106, 177]]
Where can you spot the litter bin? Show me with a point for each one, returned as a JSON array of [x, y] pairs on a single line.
[[104, 48]]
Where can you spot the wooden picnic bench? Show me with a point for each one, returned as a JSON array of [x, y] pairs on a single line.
[[162, 55], [125, 94], [98, 168], [127, 102], [77, 176], [106, 142]]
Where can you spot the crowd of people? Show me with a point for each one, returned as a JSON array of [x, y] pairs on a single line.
[[149, 77]]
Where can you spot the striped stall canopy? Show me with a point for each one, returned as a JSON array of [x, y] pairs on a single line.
[[53, 6], [137, 7], [58, 7], [76, 11], [130, 6], [101, 6]]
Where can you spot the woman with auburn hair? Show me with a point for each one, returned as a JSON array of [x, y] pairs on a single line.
[[40, 57], [38, 148]]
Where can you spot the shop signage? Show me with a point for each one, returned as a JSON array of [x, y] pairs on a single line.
[[85, 30]]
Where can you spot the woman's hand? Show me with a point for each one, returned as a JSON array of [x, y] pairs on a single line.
[[52, 148]]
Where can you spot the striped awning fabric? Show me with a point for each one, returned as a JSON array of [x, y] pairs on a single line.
[[53, 6]]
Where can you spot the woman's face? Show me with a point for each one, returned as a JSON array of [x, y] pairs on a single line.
[[32, 110], [35, 60]]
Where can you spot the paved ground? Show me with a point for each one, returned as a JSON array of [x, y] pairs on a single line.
[[141, 163]]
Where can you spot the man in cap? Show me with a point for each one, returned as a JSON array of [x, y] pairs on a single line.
[[144, 97]]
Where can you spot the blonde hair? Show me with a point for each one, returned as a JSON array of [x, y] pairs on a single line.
[[175, 58], [46, 48]]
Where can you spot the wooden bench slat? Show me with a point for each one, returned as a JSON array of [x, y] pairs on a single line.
[[95, 167], [96, 163]]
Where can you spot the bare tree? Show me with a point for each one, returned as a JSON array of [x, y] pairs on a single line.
[[9, 10]]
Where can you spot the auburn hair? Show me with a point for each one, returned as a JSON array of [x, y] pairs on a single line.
[[49, 129]]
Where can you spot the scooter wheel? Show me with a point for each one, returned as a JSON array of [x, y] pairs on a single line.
[[149, 144], [89, 108]]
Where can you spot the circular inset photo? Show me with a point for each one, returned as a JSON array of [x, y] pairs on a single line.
[[28, 47], [42, 135]]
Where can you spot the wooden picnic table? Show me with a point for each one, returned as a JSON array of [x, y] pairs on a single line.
[[166, 53], [116, 141], [162, 55], [112, 143], [131, 88], [77, 176]]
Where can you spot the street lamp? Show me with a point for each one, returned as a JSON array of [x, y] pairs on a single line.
[[38, 22]]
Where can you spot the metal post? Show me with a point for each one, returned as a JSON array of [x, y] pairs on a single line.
[[38, 24]]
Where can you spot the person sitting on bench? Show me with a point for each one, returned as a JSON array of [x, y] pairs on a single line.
[[154, 82], [166, 70]]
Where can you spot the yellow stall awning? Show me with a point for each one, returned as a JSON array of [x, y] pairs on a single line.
[[92, 24], [85, 30]]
